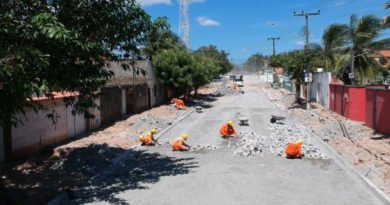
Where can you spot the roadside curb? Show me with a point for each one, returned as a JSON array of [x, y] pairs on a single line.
[[349, 167], [166, 129]]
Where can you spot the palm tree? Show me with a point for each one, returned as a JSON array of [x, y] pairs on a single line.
[[334, 38], [341, 42]]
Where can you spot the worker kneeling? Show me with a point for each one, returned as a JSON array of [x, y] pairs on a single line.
[[294, 150], [179, 144], [179, 104], [148, 138], [227, 130]]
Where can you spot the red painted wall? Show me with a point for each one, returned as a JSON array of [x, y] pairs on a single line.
[[339, 99], [331, 96], [383, 111], [354, 103], [369, 107]]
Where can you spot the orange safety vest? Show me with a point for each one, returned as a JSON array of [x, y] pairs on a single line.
[[294, 150], [227, 130], [147, 139], [235, 86], [179, 103], [178, 144]]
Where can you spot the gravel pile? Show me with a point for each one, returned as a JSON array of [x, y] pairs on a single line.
[[224, 90], [280, 135], [148, 121]]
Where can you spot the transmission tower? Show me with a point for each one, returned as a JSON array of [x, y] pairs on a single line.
[[184, 23]]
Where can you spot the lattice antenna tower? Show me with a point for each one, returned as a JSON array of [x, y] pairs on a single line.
[[184, 23]]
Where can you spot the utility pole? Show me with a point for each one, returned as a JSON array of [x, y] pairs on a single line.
[[273, 43], [306, 15], [184, 23]]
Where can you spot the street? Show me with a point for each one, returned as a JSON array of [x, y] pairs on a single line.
[[218, 176]]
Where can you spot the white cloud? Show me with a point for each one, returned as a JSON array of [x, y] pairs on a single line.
[[154, 2], [196, 1], [340, 3], [206, 21], [244, 50], [300, 42]]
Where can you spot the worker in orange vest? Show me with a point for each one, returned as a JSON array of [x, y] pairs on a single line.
[[179, 144], [235, 87], [148, 138], [294, 150], [227, 130], [179, 103]]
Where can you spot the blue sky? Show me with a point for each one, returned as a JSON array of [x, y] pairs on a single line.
[[241, 27]]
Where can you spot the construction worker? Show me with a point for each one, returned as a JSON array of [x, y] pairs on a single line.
[[227, 130], [235, 87], [179, 144], [179, 103], [294, 150], [148, 138]]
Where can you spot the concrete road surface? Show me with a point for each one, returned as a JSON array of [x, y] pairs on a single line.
[[220, 177]]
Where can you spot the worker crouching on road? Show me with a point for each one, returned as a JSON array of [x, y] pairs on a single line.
[[179, 104], [227, 130], [148, 138], [294, 150], [179, 144]]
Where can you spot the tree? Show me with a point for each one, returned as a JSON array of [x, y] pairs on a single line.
[[334, 38], [255, 63], [160, 37], [356, 38], [221, 57], [115, 25], [56, 46]]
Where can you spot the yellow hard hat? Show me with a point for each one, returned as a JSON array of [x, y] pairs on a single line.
[[153, 131], [184, 136], [300, 141], [230, 122]]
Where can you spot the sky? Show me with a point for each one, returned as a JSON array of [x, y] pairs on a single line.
[[242, 27]]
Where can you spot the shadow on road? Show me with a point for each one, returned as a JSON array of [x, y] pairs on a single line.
[[137, 171], [85, 175]]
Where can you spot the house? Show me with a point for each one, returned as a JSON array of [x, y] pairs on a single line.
[[130, 90], [382, 56], [37, 131]]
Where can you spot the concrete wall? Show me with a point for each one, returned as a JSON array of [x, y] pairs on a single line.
[[319, 88], [157, 93], [110, 104], [37, 130]]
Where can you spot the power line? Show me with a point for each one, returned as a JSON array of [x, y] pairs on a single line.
[[306, 15], [273, 43]]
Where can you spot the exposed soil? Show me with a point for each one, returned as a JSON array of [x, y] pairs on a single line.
[[368, 151]]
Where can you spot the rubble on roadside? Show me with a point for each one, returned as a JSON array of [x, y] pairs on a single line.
[[252, 144]]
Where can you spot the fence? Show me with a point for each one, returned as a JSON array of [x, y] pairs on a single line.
[[378, 109], [370, 105], [319, 88]]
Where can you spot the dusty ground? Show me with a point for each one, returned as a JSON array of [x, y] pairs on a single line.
[[40, 177], [367, 151]]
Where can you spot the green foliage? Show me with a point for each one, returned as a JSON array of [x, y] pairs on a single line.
[[357, 37], [221, 57], [180, 69], [61, 45], [160, 37], [255, 63], [114, 25]]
